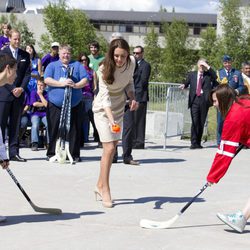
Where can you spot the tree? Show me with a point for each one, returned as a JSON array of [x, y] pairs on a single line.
[[233, 39], [26, 35], [70, 26], [209, 47], [177, 58], [153, 52], [163, 9]]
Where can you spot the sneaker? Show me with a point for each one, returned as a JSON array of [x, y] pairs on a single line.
[[34, 146], [2, 218], [236, 221]]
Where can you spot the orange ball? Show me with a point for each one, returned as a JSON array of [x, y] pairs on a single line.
[[116, 128]]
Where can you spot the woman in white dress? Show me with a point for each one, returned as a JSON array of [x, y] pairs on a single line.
[[115, 85]]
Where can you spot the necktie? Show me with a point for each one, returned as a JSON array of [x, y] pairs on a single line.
[[199, 83], [15, 54]]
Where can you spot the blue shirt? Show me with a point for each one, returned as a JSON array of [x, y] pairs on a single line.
[[58, 72]]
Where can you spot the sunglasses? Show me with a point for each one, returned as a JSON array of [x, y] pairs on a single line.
[[136, 53], [83, 60]]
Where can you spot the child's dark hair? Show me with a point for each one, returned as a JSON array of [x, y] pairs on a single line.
[[6, 60]]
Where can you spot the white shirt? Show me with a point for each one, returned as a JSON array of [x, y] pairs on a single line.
[[14, 52]]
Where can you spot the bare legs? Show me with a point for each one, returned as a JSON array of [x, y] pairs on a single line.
[[106, 162], [246, 210]]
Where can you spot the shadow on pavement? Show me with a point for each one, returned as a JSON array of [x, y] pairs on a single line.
[[194, 226], [166, 160], [31, 218], [232, 231], [158, 201]]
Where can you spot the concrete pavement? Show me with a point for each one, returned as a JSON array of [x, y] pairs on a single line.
[[157, 189]]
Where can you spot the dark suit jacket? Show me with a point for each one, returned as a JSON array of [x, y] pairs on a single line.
[[23, 75], [141, 78], [208, 83]]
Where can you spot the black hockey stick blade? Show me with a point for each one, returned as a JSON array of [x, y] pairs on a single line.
[[36, 208]]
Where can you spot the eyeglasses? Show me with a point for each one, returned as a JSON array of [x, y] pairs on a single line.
[[136, 53], [83, 60]]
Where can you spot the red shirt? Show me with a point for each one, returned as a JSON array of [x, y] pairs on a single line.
[[236, 129]]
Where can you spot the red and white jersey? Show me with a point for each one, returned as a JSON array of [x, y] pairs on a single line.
[[236, 130]]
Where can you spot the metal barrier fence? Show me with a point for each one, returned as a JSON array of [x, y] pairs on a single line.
[[169, 98], [157, 95], [178, 119]]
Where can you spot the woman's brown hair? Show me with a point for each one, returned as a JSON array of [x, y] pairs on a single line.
[[109, 62], [226, 97]]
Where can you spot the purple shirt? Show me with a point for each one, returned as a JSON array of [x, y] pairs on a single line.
[[4, 41], [47, 59], [87, 91], [34, 97]]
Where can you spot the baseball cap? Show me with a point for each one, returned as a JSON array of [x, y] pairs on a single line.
[[54, 44], [226, 58]]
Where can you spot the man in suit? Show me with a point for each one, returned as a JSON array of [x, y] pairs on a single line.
[[141, 79], [232, 77], [201, 83], [245, 72], [12, 96], [134, 122]]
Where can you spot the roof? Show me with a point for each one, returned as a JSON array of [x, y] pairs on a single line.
[[140, 16], [150, 16], [16, 6], [244, 2], [3, 5]]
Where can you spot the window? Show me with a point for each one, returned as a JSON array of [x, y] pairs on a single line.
[[122, 28], [142, 29], [136, 29], [129, 28], [116, 28], [103, 27], [109, 28], [197, 30]]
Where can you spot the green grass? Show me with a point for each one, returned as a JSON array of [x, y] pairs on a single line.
[[212, 123]]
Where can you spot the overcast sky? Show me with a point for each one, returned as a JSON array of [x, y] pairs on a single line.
[[200, 6]]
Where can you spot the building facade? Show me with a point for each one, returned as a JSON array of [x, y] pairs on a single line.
[[133, 25]]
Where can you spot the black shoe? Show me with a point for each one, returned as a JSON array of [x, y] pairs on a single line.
[[34, 146], [18, 158], [131, 162], [77, 159], [115, 159], [138, 146], [195, 147]]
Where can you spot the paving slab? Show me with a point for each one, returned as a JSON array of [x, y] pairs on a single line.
[[157, 189]]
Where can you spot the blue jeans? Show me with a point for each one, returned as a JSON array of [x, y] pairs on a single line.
[[35, 121], [24, 121], [87, 105]]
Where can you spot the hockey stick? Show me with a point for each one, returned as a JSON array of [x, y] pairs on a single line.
[[150, 224], [65, 123], [36, 208], [62, 144]]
